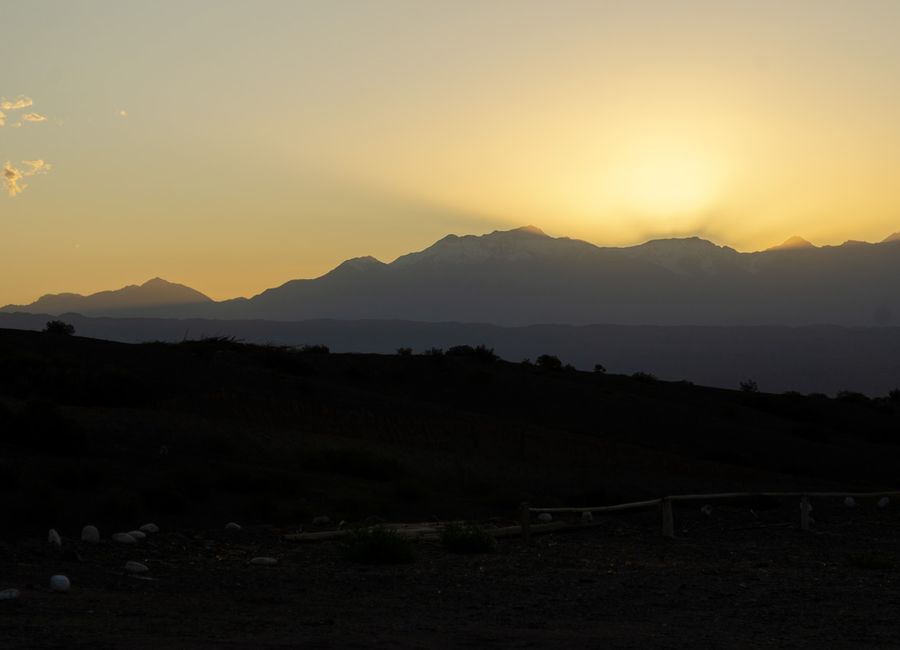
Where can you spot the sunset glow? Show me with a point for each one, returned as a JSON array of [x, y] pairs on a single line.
[[295, 136]]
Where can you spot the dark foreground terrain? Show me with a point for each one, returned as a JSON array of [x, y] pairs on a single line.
[[199, 433], [736, 579]]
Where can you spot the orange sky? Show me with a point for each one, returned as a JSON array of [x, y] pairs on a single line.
[[232, 147]]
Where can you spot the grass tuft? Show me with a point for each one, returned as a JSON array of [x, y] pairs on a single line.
[[467, 538], [377, 546]]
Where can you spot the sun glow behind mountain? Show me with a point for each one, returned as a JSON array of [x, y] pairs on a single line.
[[668, 183], [297, 136]]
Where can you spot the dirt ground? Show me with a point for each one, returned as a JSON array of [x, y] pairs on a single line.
[[735, 579]]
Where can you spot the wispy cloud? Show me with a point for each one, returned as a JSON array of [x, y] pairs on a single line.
[[12, 176], [16, 104]]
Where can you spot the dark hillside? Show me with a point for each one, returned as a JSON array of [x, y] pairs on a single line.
[[215, 430]]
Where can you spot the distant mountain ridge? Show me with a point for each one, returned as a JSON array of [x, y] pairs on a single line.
[[152, 294], [524, 276]]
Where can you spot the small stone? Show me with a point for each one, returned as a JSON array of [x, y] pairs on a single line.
[[545, 517], [150, 529], [706, 510], [90, 534], [123, 538], [10, 594], [321, 521], [59, 584], [232, 526], [54, 539], [850, 502], [135, 567], [884, 502], [587, 517], [138, 534], [264, 561]]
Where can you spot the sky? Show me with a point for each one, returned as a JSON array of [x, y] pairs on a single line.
[[232, 146]]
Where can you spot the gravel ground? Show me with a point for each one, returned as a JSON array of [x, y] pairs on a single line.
[[736, 579]]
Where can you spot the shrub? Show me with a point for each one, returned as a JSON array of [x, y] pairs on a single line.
[[749, 386], [549, 362], [480, 352], [852, 397], [485, 353], [404, 352], [599, 368], [645, 377], [434, 352], [377, 546], [467, 538], [315, 349], [894, 395], [59, 327]]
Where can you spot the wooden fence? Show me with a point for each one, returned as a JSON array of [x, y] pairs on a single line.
[[665, 507]]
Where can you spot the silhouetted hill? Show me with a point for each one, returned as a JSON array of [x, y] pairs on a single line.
[[813, 359], [154, 296], [792, 243], [525, 277], [213, 430]]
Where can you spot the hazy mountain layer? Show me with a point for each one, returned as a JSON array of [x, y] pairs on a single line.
[[523, 277], [133, 299]]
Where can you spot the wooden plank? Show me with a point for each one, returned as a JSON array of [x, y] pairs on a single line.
[[525, 521], [718, 496], [668, 520], [621, 506]]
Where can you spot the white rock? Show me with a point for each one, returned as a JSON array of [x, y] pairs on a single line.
[[9, 594], [850, 502], [587, 517], [884, 502], [150, 529], [138, 534], [135, 567], [90, 534], [321, 521], [54, 539], [545, 517], [264, 561], [706, 510], [123, 538], [60, 584], [232, 526]]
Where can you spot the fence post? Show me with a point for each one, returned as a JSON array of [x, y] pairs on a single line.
[[668, 520], [525, 520], [805, 509]]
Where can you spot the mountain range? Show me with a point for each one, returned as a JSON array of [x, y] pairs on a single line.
[[524, 277]]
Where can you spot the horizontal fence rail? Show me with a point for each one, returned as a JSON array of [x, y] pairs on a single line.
[[665, 506]]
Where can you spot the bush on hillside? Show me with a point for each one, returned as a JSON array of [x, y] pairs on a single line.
[[59, 327], [549, 362]]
